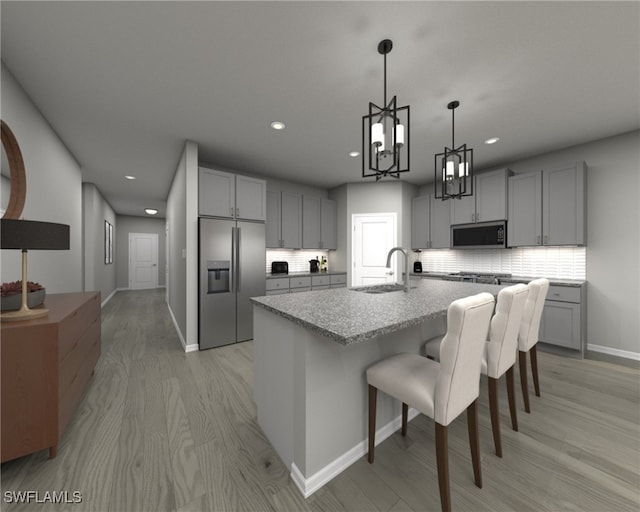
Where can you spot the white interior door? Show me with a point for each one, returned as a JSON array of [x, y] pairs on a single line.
[[373, 236], [143, 260]]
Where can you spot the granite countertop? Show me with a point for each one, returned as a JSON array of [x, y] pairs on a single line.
[[347, 316], [555, 281], [305, 274]]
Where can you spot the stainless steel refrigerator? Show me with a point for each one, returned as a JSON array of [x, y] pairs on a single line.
[[232, 269]]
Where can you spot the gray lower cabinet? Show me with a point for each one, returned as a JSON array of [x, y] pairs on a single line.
[[277, 286], [563, 321], [280, 285]]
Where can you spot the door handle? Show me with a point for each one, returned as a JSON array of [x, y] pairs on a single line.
[[232, 271], [389, 273], [237, 262]]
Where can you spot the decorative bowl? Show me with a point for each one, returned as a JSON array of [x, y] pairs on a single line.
[[13, 302]]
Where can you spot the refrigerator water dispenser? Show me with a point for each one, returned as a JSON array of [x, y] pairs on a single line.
[[218, 276]]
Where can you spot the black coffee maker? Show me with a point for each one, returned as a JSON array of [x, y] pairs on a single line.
[[314, 265]]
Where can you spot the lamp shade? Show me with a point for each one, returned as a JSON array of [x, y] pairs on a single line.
[[31, 234]]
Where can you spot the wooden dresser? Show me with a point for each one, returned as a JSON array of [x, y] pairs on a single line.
[[46, 365]]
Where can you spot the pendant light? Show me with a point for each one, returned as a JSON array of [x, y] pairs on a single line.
[[454, 167], [385, 133]]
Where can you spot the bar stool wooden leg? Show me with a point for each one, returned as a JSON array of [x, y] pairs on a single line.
[[534, 368], [442, 456], [495, 415], [512, 399], [405, 413], [474, 441], [522, 357], [373, 398]]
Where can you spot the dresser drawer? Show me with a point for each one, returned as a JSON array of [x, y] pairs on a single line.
[[564, 294], [281, 283], [76, 324], [77, 356], [68, 402]]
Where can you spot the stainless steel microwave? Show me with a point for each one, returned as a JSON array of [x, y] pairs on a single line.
[[483, 235]]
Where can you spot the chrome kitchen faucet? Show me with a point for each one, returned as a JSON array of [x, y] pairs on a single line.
[[406, 265]]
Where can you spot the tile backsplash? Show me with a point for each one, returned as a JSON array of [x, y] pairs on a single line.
[[298, 259], [558, 262]]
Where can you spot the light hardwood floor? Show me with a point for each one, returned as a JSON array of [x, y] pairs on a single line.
[[162, 430]]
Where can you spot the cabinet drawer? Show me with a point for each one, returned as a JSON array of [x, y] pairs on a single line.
[[320, 281], [76, 324], [342, 285], [564, 294], [299, 282], [281, 283], [338, 279], [321, 287], [69, 400]]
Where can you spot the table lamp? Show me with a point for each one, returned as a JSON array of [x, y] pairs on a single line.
[[30, 235]]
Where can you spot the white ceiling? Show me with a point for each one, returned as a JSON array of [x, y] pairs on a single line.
[[124, 84]]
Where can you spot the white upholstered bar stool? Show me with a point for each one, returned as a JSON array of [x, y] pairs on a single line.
[[500, 353], [440, 390], [528, 337]]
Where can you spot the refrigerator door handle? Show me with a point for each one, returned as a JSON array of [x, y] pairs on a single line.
[[236, 263], [232, 271]]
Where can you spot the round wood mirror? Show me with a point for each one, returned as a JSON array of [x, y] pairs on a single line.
[[18, 176]]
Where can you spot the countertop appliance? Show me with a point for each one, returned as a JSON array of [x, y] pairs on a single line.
[[279, 267], [314, 265], [476, 277], [231, 267], [417, 267], [483, 235]]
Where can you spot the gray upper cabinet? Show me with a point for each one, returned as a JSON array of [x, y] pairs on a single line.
[[547, 207], [430, 223], [284, 220], [488, 202], [318, 223], [273, 226], [251, 198], [525, 210], [563, 205], [224, 194], [420, 235]]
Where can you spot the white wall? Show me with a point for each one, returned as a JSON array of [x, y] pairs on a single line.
[[98, 275], [129, 224], [54, 192], [182, 247]]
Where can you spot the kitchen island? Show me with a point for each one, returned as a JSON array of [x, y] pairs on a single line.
[[311, 351]]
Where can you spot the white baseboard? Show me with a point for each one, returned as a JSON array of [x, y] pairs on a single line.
[[307, 486], [175, 324], [614, 352], [193, 347], [104, 302]]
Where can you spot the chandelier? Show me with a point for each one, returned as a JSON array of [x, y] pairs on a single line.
[[385, 133], [454, 167]]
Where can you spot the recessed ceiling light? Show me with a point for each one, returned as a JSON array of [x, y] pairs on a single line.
[[492, 140], [354, 154], [130, 177], [277, 125], [151, 211]]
